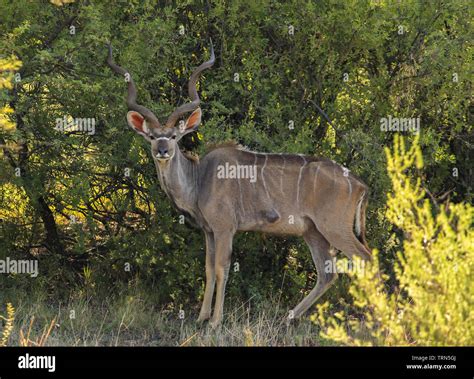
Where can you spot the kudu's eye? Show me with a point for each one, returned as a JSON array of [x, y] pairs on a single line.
[[173, 136], [152, 137]]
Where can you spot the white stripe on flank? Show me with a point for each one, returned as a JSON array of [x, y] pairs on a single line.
[[358, 220], [316, 177], [350, 186], [282, 173], [241, 199], [255, 165], [299, 180], [263, 178]]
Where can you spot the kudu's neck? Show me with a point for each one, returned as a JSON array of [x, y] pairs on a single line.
[[178, 178]]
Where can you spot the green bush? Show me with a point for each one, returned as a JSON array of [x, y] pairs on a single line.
[[432, 303]]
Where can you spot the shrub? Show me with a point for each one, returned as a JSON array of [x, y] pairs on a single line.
[[432, 303]]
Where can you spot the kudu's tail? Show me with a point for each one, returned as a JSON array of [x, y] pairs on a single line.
[[359, 222]]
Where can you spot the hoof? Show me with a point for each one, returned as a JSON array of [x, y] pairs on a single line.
[[203, 318], [214, 324]]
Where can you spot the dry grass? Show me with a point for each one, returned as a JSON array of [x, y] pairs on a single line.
[[25, 339], [131, 321]]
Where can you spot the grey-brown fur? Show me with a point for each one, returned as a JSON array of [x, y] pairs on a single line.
[[313, 191]]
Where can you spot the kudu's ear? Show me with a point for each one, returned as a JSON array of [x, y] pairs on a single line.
[[137, 122], [191, 123]]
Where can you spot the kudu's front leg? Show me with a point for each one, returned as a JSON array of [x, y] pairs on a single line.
[[223, 245], [206, 307]]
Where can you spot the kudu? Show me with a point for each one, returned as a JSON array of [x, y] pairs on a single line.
[[232, 189]]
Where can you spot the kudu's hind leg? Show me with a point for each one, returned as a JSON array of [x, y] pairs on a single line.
[[206, 307], [320, 251]]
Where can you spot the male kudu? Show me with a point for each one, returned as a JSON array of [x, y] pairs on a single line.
[[292, 195]]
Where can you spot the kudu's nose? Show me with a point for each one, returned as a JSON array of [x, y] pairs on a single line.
[[162, 151]]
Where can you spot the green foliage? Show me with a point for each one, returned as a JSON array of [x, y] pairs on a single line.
[[75, 209], [7, 65], [432, 303]]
